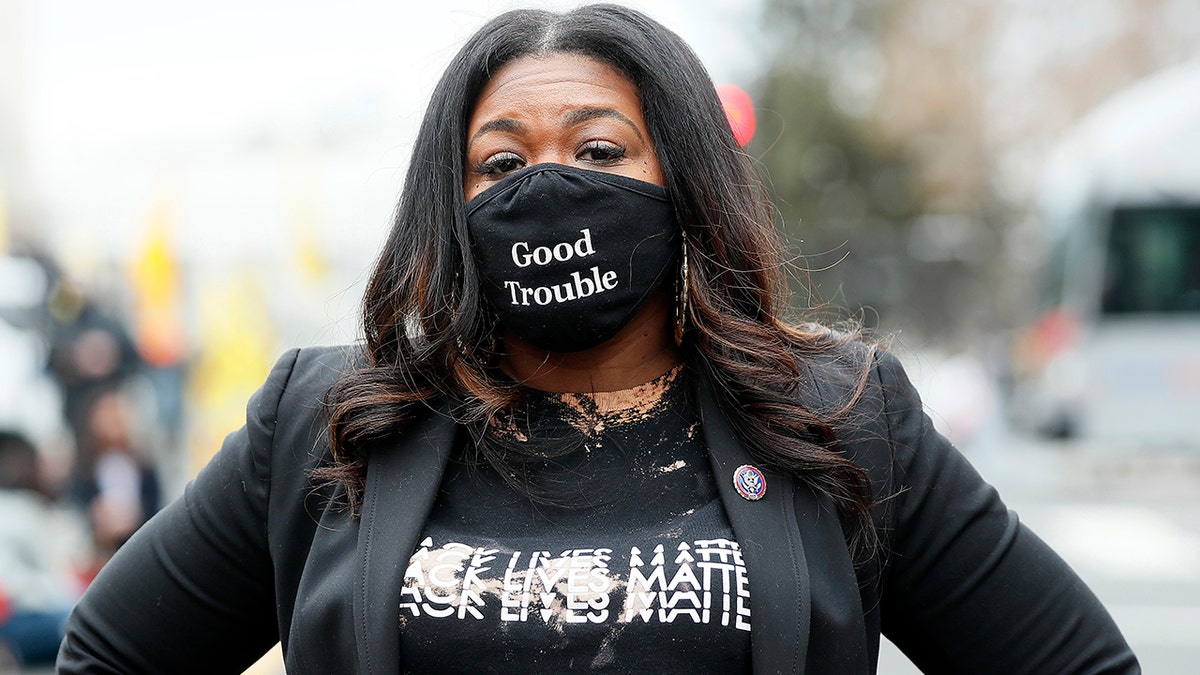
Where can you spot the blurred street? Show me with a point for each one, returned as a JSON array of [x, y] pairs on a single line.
[[1127, 521]]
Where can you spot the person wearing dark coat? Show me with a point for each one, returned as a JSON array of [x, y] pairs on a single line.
[[578, 433]]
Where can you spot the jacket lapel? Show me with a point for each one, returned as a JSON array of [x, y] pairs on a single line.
[[403, 478], [769, 537]]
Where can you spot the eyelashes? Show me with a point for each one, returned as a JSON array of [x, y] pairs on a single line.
[[596, 152], [499, 164], [602, 152]]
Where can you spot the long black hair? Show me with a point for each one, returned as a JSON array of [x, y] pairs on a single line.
[[428, 332]]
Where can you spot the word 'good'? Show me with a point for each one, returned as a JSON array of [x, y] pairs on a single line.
[[542, 255]]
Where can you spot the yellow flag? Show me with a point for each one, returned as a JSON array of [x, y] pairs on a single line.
[[237, 346], [155, 275]]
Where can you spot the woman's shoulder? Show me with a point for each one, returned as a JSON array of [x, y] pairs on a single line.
[[287, 416], [312, 370], [835, 366], [839, 365], [302, 375], [860, 385]]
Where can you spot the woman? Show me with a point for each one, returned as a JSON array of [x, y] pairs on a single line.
[[578, 433]]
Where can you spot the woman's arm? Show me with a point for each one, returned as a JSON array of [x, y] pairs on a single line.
[[193, 590], [968, 588]]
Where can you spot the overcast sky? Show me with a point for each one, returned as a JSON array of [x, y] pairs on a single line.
[[152, 70]]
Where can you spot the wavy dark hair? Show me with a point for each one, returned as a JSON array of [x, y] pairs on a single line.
[[428, 330]]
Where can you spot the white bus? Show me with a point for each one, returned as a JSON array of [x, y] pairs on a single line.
[[1115, 354]]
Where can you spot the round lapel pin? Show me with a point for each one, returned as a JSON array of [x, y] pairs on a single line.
[[750, 482]]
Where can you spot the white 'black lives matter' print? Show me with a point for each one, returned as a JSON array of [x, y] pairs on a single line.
[[700, 581]]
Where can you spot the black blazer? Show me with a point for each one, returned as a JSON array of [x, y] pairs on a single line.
[[254, 553]]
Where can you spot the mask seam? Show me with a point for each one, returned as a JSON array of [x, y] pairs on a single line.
[[473, 206]]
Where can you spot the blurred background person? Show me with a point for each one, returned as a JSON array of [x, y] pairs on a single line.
[[91, 355], [116, 482], [39, 543]]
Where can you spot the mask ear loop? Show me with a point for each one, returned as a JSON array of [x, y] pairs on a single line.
[[681, 303]]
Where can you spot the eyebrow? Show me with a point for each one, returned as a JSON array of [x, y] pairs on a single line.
[[502, 124], [584, 114], [570, 119]]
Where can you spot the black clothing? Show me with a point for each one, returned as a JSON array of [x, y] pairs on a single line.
[[253, 553], [626, 561]]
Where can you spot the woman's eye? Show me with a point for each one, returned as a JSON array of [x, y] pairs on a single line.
[[499, 164], [601, 152]]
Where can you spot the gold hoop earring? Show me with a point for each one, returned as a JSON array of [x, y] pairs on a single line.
[[681, 303]]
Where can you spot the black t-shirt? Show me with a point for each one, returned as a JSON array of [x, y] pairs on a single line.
[[610, 551]]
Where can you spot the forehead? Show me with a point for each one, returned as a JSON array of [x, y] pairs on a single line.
[[555, 83]]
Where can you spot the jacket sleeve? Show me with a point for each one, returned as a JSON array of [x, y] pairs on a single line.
[[967, 588], [192, 590]]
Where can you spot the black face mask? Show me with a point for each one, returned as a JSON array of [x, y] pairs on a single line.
[[568, 256]]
